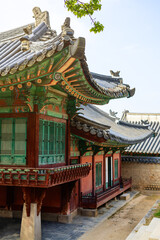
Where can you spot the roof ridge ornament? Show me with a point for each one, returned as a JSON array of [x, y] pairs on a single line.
[[115, 74], [28, 30], [66, 29], [113, 114], [41, 16], [145, 122], [25, 44]]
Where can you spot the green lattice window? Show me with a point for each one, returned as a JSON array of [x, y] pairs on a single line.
[[115, 168], [13, 136], [51, 142], [98, 174]]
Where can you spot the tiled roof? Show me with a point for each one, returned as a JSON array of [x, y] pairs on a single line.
[[43, 43], [97, 122], [12, 56], [152, 144], [141, 159], [105, 83], [14, 33]]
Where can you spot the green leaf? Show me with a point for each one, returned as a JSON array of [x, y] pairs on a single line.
[[81, 9], [98, 27]]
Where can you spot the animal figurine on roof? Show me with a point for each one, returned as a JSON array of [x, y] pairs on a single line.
[[28, 30], [115, 74], [112, 113], [40, 16], [145, 122]]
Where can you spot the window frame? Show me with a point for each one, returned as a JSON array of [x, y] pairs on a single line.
[[12, 157], [116, 165], [59, 146], [98, 178]]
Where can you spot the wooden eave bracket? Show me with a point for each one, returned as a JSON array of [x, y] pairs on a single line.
[[32, 195], [83, 147]]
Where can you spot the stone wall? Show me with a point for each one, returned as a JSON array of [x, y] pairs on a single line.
[[144, 176]]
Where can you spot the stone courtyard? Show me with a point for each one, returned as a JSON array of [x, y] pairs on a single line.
[[86, 228]]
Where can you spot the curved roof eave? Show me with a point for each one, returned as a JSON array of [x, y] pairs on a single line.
[[99, 123], [42, 44]]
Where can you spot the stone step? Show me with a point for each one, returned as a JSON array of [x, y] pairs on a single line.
[[146, 232], [142, 234], [155, 235], [125, 196], [150, 232], [152, 237], [154, 225]]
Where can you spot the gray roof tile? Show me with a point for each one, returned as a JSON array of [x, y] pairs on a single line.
[[150, 145], [117, 131]]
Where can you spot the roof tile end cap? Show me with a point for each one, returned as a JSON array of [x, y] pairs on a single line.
[[77, 50], [131, 92]]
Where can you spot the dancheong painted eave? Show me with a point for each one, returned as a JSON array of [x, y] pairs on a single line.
[[36, 55], [93, 121]]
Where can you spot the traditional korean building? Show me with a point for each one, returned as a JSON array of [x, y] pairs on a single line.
[[141, 161], [58, 152]]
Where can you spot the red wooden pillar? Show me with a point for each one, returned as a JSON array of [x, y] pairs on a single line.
[[93, 176], [67, 189], [119, 166], [68, 141], [104, 172], [33, 140], [113, 167], [36, 139]]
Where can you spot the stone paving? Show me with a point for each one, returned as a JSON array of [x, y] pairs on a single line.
[[10, 228]]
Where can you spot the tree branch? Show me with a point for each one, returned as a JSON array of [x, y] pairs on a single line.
[[80, 9]]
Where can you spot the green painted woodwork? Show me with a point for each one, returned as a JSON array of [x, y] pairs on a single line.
[[13, 137], [100, 153], [72, 109], [74, 146], [98, 174], [56, 114], [57, 61], [73, 82], [51, 142], [24, 177], [99, 190], [76, 82], [115, 168], [74, 161], [116, 182], [90, 153], [36, 93], [107, 145]]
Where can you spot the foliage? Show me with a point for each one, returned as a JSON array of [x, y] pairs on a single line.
[[81, 9], [157, 214]]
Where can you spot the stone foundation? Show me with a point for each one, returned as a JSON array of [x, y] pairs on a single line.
[[144, 176], [125, 196], [88, 212], [55, 217], [6, 213], [31, 226], [67, 218]]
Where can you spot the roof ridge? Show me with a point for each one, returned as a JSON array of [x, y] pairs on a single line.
[[13, 33], [125, 123], [101, 112]]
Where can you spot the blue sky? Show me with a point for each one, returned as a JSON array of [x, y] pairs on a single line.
[[130, 43]]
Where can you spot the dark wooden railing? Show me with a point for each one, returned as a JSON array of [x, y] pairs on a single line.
[[47, 177], [88, 200], [126, 181]]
